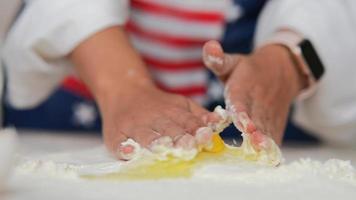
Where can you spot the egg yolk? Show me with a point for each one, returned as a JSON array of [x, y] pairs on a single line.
[[218, 144]]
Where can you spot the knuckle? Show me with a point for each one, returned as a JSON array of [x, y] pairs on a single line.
[[191, 125]]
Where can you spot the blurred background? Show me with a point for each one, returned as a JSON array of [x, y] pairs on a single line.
[[83, 114], [8, 9]]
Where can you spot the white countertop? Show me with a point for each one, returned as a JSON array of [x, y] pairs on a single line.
[[37, 188]]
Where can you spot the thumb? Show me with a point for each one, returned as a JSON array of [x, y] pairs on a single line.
[[220, 63]]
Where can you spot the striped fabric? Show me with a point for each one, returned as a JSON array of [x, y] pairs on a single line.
[[169, 35]]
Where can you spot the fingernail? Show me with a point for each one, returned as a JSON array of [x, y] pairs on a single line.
[[123, 155], [204, 136], [186, 142], [128, 150]]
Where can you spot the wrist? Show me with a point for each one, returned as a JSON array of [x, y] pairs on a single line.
[[280, 56], [118, 96], [304, 57]]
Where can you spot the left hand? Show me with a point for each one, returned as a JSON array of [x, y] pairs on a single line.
[[260, 88]]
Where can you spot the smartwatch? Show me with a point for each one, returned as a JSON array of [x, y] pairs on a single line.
[[305, 56], [312, 59]]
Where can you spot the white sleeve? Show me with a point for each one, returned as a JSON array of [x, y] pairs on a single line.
[[36, 48], [331, 26]]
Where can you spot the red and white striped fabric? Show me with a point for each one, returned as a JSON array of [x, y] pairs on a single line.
[[169, 35]]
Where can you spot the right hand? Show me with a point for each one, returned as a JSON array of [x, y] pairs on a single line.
[[260, 88], [146, 114]]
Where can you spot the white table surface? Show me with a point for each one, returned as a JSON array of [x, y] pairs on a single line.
[[39, 143]]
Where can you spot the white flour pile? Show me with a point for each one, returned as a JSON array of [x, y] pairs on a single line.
[[73, 165], [8, 143], [333, 170]]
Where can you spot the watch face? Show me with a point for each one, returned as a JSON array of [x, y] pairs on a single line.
[[312, 59]]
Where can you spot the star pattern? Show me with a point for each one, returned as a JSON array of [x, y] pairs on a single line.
[[84, 114]]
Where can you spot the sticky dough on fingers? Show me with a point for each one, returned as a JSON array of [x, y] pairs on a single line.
[[209, 140]]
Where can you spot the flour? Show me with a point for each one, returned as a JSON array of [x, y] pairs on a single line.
[[303, 169], [8, 144], [50, 169], [97, 162], [295, 179], [333, 170]]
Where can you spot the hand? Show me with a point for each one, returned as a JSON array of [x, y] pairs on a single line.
[[130, 105], [148, 115], [260, 88]]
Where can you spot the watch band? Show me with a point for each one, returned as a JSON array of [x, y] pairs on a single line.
[[312, 59]]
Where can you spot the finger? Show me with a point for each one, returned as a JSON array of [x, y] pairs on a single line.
[[204, 136], [213, 57], [113, 140], [161, 144], [267, 122], [217, 61], [245, 121], [247, 114], [186, 142], [189, 122], [238, 105], [162, 141], [128, 149], [259, 140], [116, 144], [196, 109], [211, 118], [144, 135], [241, 110], [167, 127], [218, 120], [180, 137]]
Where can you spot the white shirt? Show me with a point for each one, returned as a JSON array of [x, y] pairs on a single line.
[[36, 48], [331, 26]]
